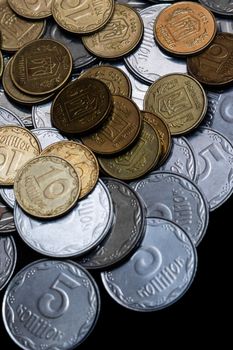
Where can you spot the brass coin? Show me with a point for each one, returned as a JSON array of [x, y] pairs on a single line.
[[32, 9], [1, 64], [214, 66], [82, 17], [81, 106], [120, 36], [119, 130], [138, 160], [17, 146], [47, 187], [179, 100], [17, 31], [185, 28], [81, 158], [116, 80]]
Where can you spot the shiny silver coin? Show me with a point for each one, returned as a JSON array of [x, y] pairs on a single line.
[[137, 4], [158, 273], [7, 224], [224, 24], [41, 117], [9, 118], [221, 7], [8, 256], [50, 304]]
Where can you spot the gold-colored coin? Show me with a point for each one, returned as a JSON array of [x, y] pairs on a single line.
[[138, 160], [47, 187], [17, 31], [116, 80], [179, 100], [120, 35], [82, 17], [17, 146], [81, 158], [1, 64], [33, 9]]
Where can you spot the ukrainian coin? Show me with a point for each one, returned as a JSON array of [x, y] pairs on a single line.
[[185, 28], [137, 4], [120, 35], [17, 146], [7, 224], [1, 64], [51, 304], [177, 199], [7, 194], [73, 234], [119, 130], [81, 106], [224, 25], [41, 116], [8, 256], [157, 274], [45, 66], [32, 9], [126, 230], [9, 118], [178, 99], [221, 7]]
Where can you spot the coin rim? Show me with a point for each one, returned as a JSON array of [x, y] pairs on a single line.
[[14, 260], [22, 14], [1, 62]]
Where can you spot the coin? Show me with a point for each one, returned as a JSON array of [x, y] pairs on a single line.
[[8, 257], [9, 118], [120, 35], [17, 31], [1, 64], [224, 25], [81, 106], [185, 28], [32, 9], [41, 67], [214, 65], [221, 7], [178, 99], [41, 117], [7, 224], [47, 186], [17, 146]]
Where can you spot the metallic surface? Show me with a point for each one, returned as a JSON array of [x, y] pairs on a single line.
[[8, 257], [7, 224]]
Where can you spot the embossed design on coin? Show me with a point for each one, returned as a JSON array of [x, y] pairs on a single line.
[[7, 224], [221, 7], [8, 117], [41, 117], [7, 259], [33, 9]]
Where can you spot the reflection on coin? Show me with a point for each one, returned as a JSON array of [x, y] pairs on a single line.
[[9, 118], [8, 256], [221, 7], [52, 304], [41, 116], [224, 25], [157, 274], [31, 9], [1, 63], [137, 4], [7, 224]]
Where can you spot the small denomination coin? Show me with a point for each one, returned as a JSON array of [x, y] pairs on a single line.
[[221, 7], [51, 304], [214, 65], [47, 187], [41, 116], [45, 66], [8, 117], [1, 64], [179, 99], [7, 224], [8, 257], [185, 28], [158, 273], [81, 106], [32, 9], [120, 35]]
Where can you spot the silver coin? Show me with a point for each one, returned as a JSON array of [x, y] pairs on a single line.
[[50, 304], [41, 117], [214, 155], [7, 223], [175, 197], [8, 256], [9, 118], [148, 62], [159, 272], [137, 4], [221, 7], [224, 25], [73, 234]]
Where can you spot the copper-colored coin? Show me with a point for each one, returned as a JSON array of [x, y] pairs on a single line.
[[81, 106], [179, 100], [33, 9], [82, 17], [81, 158], [138, 160], [214, 66], [119, 130], [1, 64], [16, 31], [116, 80], [17, 146], [185, 28], [47, 187], [120, 36], [163, 131]]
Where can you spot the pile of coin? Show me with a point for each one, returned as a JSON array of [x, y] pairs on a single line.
[[93, 157]]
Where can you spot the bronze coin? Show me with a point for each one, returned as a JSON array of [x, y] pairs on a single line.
[[214, 66], [185, 28], [32, 9], [81, 106], [41, 67], [119, 130]]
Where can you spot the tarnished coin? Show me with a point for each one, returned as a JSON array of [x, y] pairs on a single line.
[[8, 257], [81, 106], [178, 99], [221, 7], [119, 130], [32, 9], [16, 31], [120, 35], [17, 146], [185, 28], [7, 224], [9, 118], [1, 64], [158, 273], [41, 116], [82, 17], [47, 187], [45, 66], [138, 160], [50, 304], [214, 65]]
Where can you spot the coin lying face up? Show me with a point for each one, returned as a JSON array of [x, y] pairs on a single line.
[[7, 259]]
